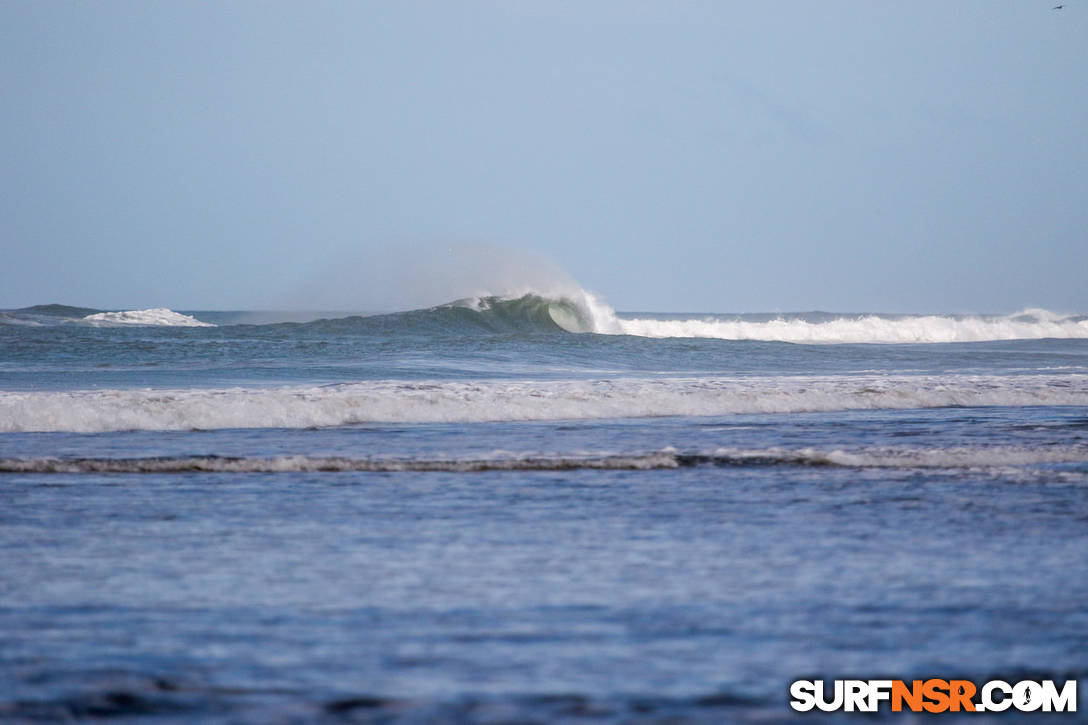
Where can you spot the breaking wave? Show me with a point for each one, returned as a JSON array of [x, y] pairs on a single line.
[[584, 312], [1027, 325], [156, 316], [944, 458], [495, 400], [580, 311], [54, 315]]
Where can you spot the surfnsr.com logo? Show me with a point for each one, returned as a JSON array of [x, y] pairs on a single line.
[[933, 696]]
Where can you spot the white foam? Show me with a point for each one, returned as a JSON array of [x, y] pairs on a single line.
[[159, 316], [443, 401], [904, 457], [979, 457], [864, 329]]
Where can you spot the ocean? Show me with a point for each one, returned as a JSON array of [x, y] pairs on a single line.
[[533, 509]]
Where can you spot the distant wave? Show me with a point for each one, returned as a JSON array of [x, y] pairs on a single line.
[[530, 313], [576, 313], [156, 316], [580, 311], [55, 310], [53, 315], [576, 310], [444, 401], [45, 315], [946, 458]]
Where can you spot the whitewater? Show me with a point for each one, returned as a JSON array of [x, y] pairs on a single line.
[[876, 329], [156, 316], [447, 401]]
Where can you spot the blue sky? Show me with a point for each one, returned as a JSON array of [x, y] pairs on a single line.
[[671, 156]]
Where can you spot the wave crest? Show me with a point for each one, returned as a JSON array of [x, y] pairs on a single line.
[[575, 311]]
